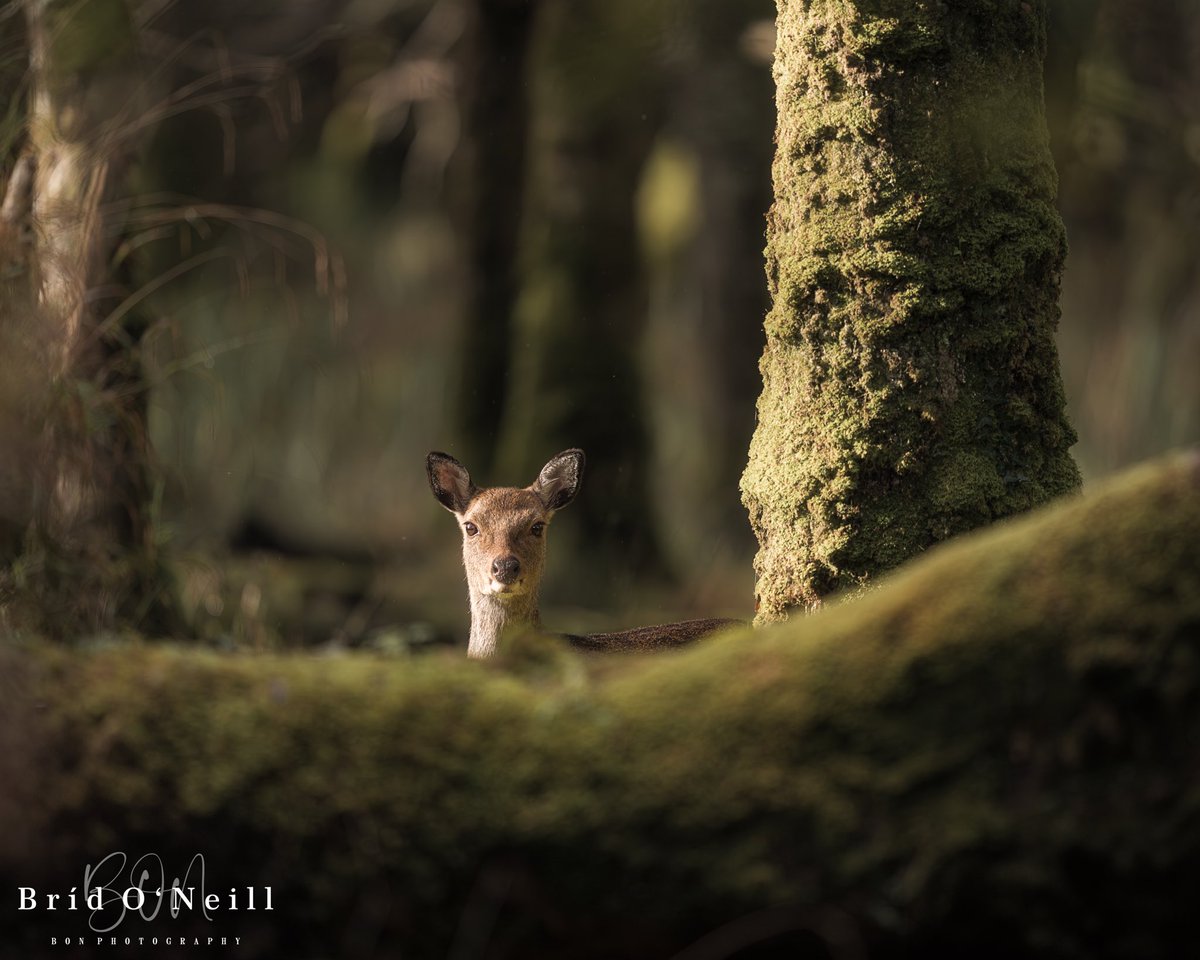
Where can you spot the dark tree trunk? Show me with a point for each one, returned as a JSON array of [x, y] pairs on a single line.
[[727, 114], [576, 380], [494, 70], [1130, 197]]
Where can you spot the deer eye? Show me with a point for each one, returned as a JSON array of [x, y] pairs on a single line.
[[470, 528], [537, 528]]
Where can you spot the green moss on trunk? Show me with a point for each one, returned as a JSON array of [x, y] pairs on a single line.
[[1002, 763], [911, 386]]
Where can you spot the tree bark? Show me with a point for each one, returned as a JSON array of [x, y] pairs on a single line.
[[911, 386], [995, 754]]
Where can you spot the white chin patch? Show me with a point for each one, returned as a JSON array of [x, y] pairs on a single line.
[[497, 588]]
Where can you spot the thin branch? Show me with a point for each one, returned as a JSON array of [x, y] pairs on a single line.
[[111, 325]]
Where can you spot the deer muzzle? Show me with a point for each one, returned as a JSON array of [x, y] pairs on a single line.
[[506, 570]]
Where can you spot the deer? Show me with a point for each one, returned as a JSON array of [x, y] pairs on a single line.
[[504, 552]]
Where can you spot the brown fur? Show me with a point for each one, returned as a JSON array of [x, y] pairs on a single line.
[[650, 638]]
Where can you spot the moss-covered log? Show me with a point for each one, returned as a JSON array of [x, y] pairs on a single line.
[[1004, 762], [911, 384]]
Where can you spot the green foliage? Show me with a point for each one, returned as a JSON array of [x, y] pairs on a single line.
[[992, 751]]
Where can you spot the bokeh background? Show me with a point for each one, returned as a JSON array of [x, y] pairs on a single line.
[[546, 221]]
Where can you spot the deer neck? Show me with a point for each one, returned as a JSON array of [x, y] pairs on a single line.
[[491, 615]]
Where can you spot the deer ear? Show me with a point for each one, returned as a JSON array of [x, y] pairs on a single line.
[[449, 481], [559, 480]]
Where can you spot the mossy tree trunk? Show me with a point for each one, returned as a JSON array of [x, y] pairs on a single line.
[[911, 388], [582, 305], [92, 493]]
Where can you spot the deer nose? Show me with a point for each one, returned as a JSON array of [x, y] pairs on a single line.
[[506, 569]]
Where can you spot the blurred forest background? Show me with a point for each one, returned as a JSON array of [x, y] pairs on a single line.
[[500, 228]]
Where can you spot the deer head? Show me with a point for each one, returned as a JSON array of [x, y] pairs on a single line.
[[504, 538]]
